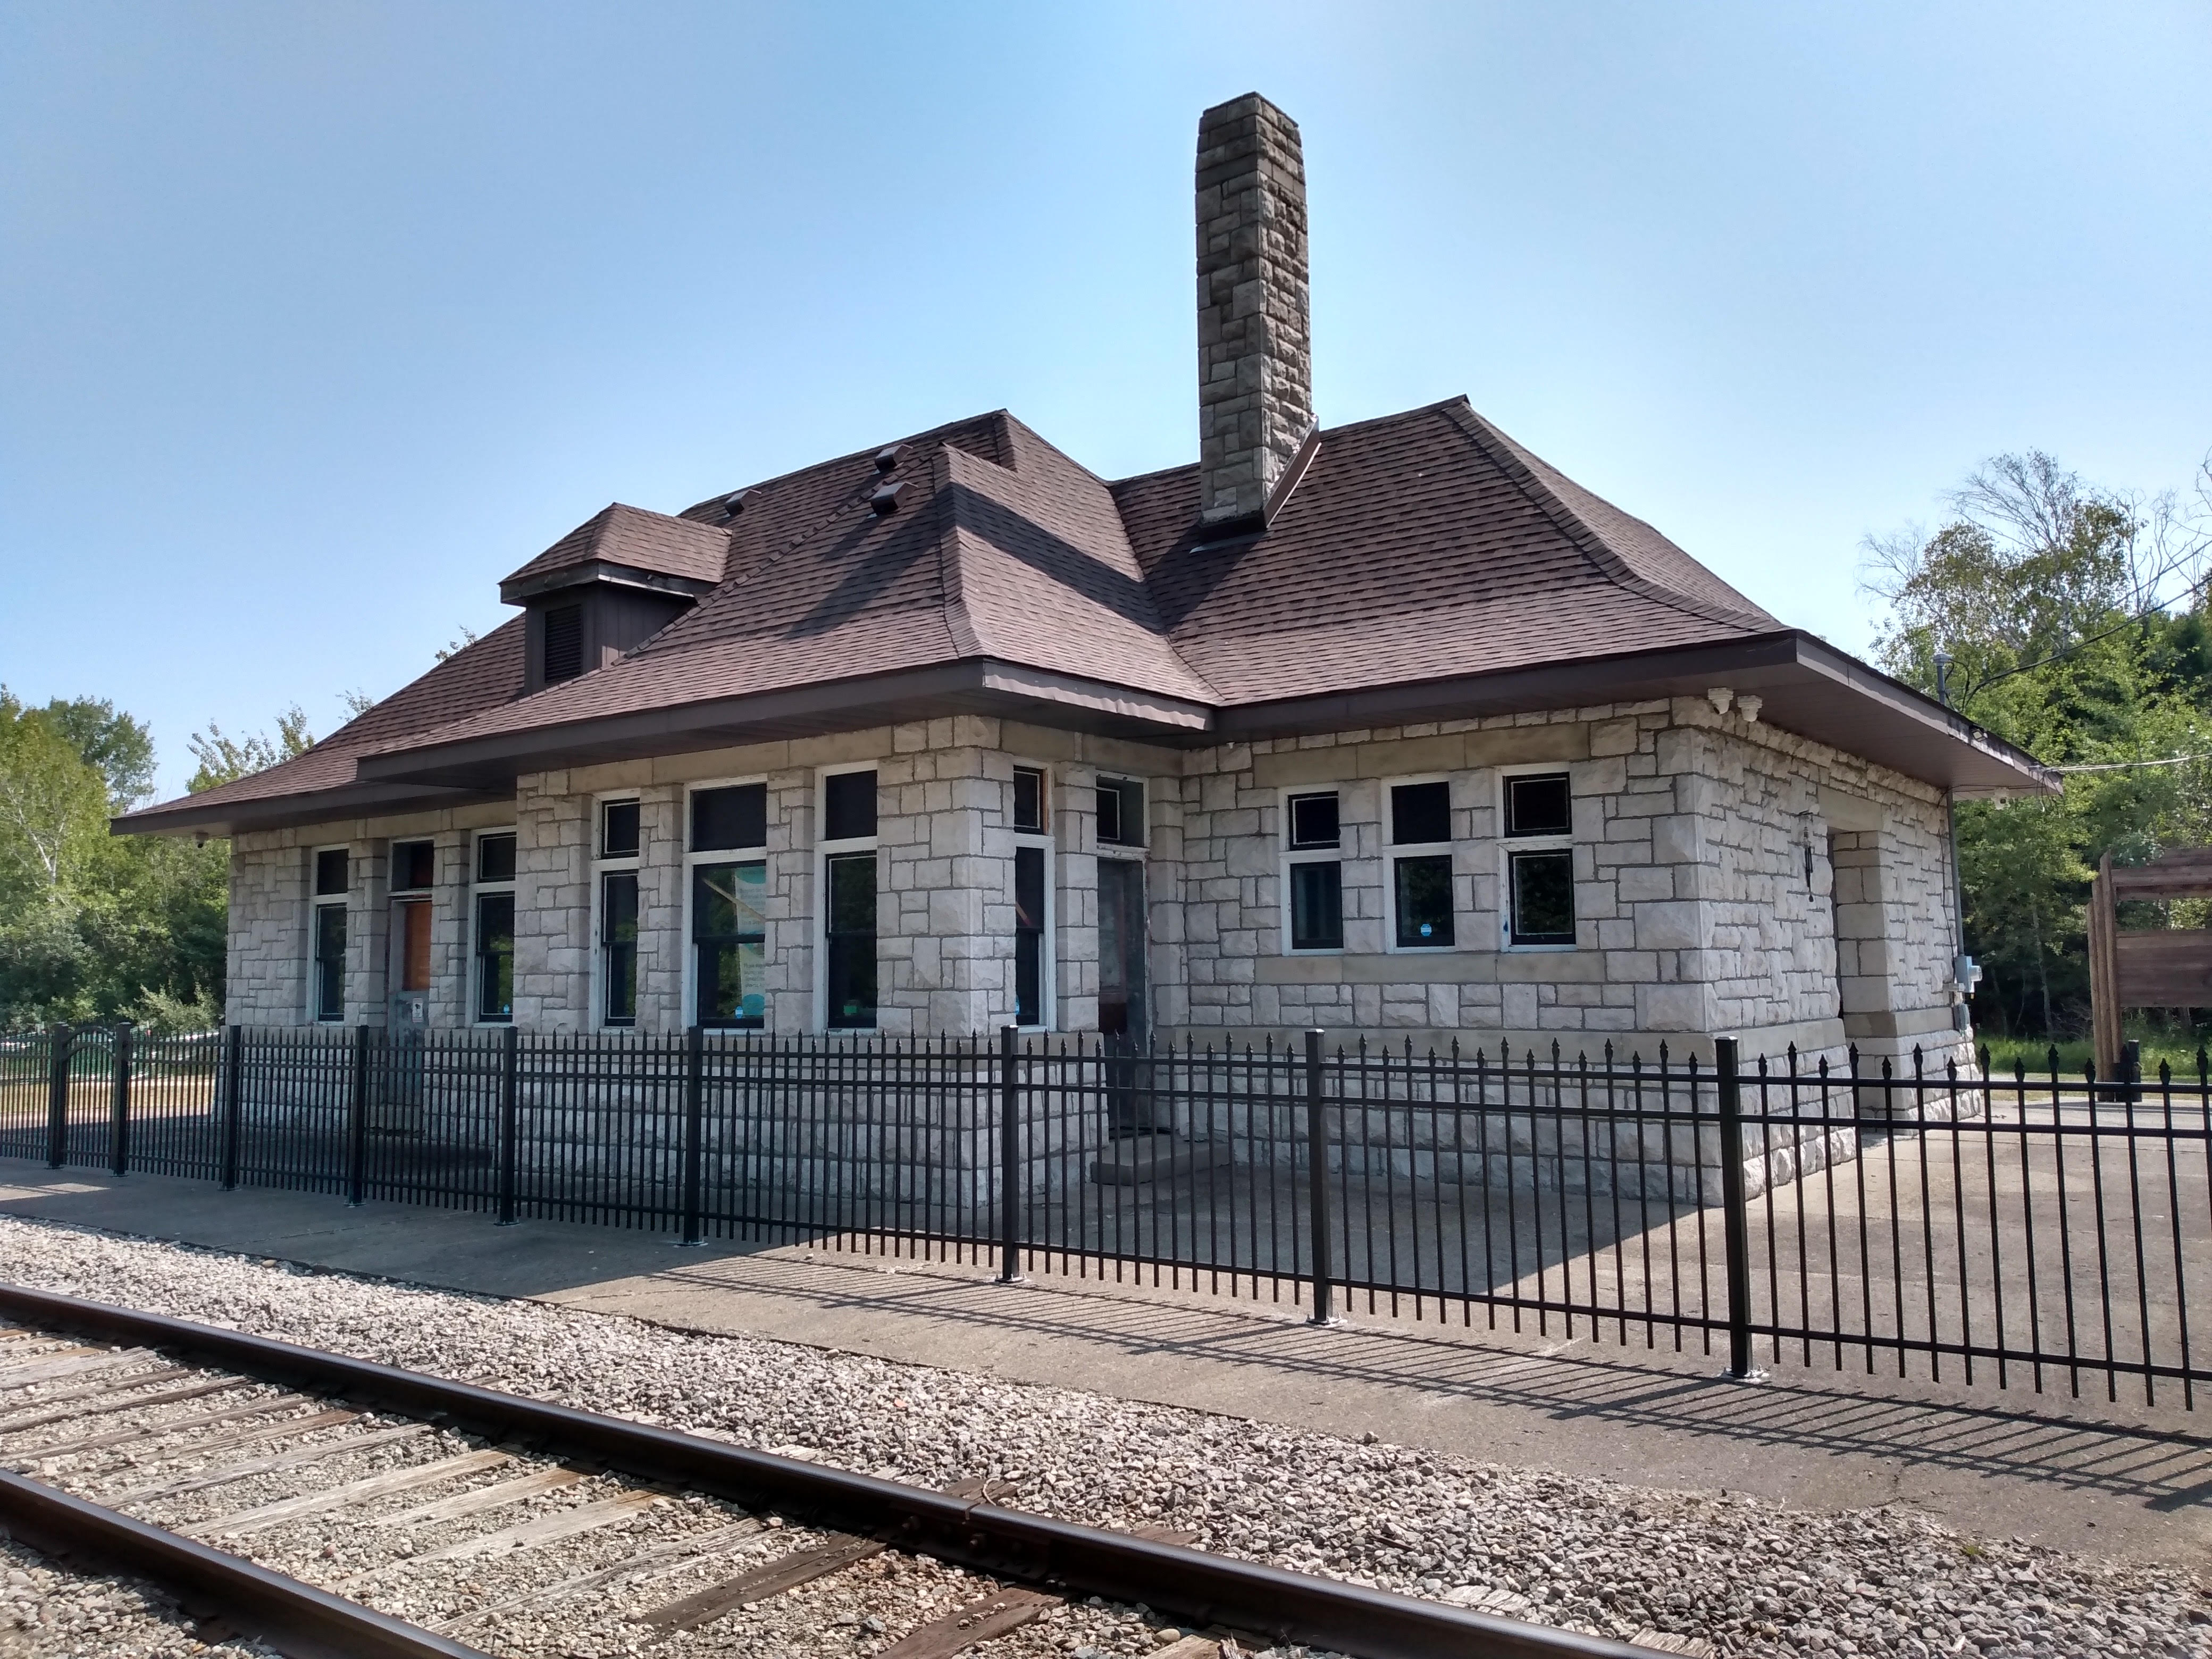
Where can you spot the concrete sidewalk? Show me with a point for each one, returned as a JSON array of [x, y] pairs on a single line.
[[2081, 1475]]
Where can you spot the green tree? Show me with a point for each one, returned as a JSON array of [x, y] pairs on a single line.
[[2073, 622], [97, 927], [224, 759]]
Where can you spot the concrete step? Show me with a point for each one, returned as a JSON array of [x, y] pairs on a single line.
[[1138, 1158]]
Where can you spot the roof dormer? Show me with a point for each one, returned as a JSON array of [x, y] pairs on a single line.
[[610, 584]]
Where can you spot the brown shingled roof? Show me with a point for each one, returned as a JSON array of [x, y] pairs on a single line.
[[1421, 548], [483, 673], [1417, 546]]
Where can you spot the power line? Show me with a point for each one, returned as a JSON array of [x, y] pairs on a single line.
[[2125, 766]]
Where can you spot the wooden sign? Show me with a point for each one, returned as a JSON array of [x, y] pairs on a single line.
[[2165, 968]]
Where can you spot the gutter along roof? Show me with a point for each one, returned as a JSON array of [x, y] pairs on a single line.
[[1425, 566]]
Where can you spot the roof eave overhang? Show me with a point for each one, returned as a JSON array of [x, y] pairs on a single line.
[[519, 590], [978, 686], [1805, 686], [352, 800]]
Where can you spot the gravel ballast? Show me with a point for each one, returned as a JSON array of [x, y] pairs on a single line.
[[1746, 1575], [59, 1614]]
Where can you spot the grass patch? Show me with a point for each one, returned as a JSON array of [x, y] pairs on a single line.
[[2075, 1056]]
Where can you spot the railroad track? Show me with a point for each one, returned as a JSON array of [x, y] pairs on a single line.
[[331, 1506]]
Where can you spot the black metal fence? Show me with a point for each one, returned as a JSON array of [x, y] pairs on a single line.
[[2042, 1231]]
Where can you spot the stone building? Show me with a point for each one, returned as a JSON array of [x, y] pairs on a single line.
[[1386, 727]]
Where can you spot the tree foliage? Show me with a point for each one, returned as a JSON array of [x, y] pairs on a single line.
[[95, 926], [225, 759], [2073, 624]]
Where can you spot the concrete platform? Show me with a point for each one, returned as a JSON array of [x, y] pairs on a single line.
[[2082, 1475]]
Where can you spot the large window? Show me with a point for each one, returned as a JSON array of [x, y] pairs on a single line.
[[616, 871], [1313, 869], [729, 905], [492, 907], [1421, 866], [1540, 859], [333, 876], [1032, 900], [849, 910]]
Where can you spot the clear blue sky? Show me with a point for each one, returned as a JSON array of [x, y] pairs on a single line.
[[316, 319]]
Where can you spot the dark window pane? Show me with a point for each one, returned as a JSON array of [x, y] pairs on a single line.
[[414, 866], [331, 872], [1425, 902], [496, 858], [728, 926], [329, 961], [564, 644], [852, 940], [852, 893], [1544, 898], [1028, 887], [618, 830], [1313, 820], [1539, 806], [1028, 935], [1317, 906], [619, 947], [726, 819], [1420, 813], [1029, 979], [496, 956], [1029, 798], [1121, 813], [848, 805]]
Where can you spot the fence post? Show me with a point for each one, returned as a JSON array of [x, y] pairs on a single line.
[[233, 1101], [1317, 1182], [57, 1092], [118, 1127], [1736, 1212], [695, 1128], [510, 1067], [357, 1119], [1010, 1159]]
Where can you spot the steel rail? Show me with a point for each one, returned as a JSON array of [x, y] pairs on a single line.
[[294, 1618], [1192, 1585]]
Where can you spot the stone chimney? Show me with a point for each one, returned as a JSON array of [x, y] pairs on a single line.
[[1255, 420]]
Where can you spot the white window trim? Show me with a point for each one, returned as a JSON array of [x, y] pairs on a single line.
[[317, 903], [1509, 845], [474, 989], [1048, 946], [689, 976], [1287, 857], [602, 866], [824, 849], [1393, 851]]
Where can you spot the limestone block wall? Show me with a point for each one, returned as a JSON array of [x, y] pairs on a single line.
[[266, 962], [1728, 878], [1697, 910], [269, 945]]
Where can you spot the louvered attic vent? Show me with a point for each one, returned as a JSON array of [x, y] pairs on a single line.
[[564, 644]]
